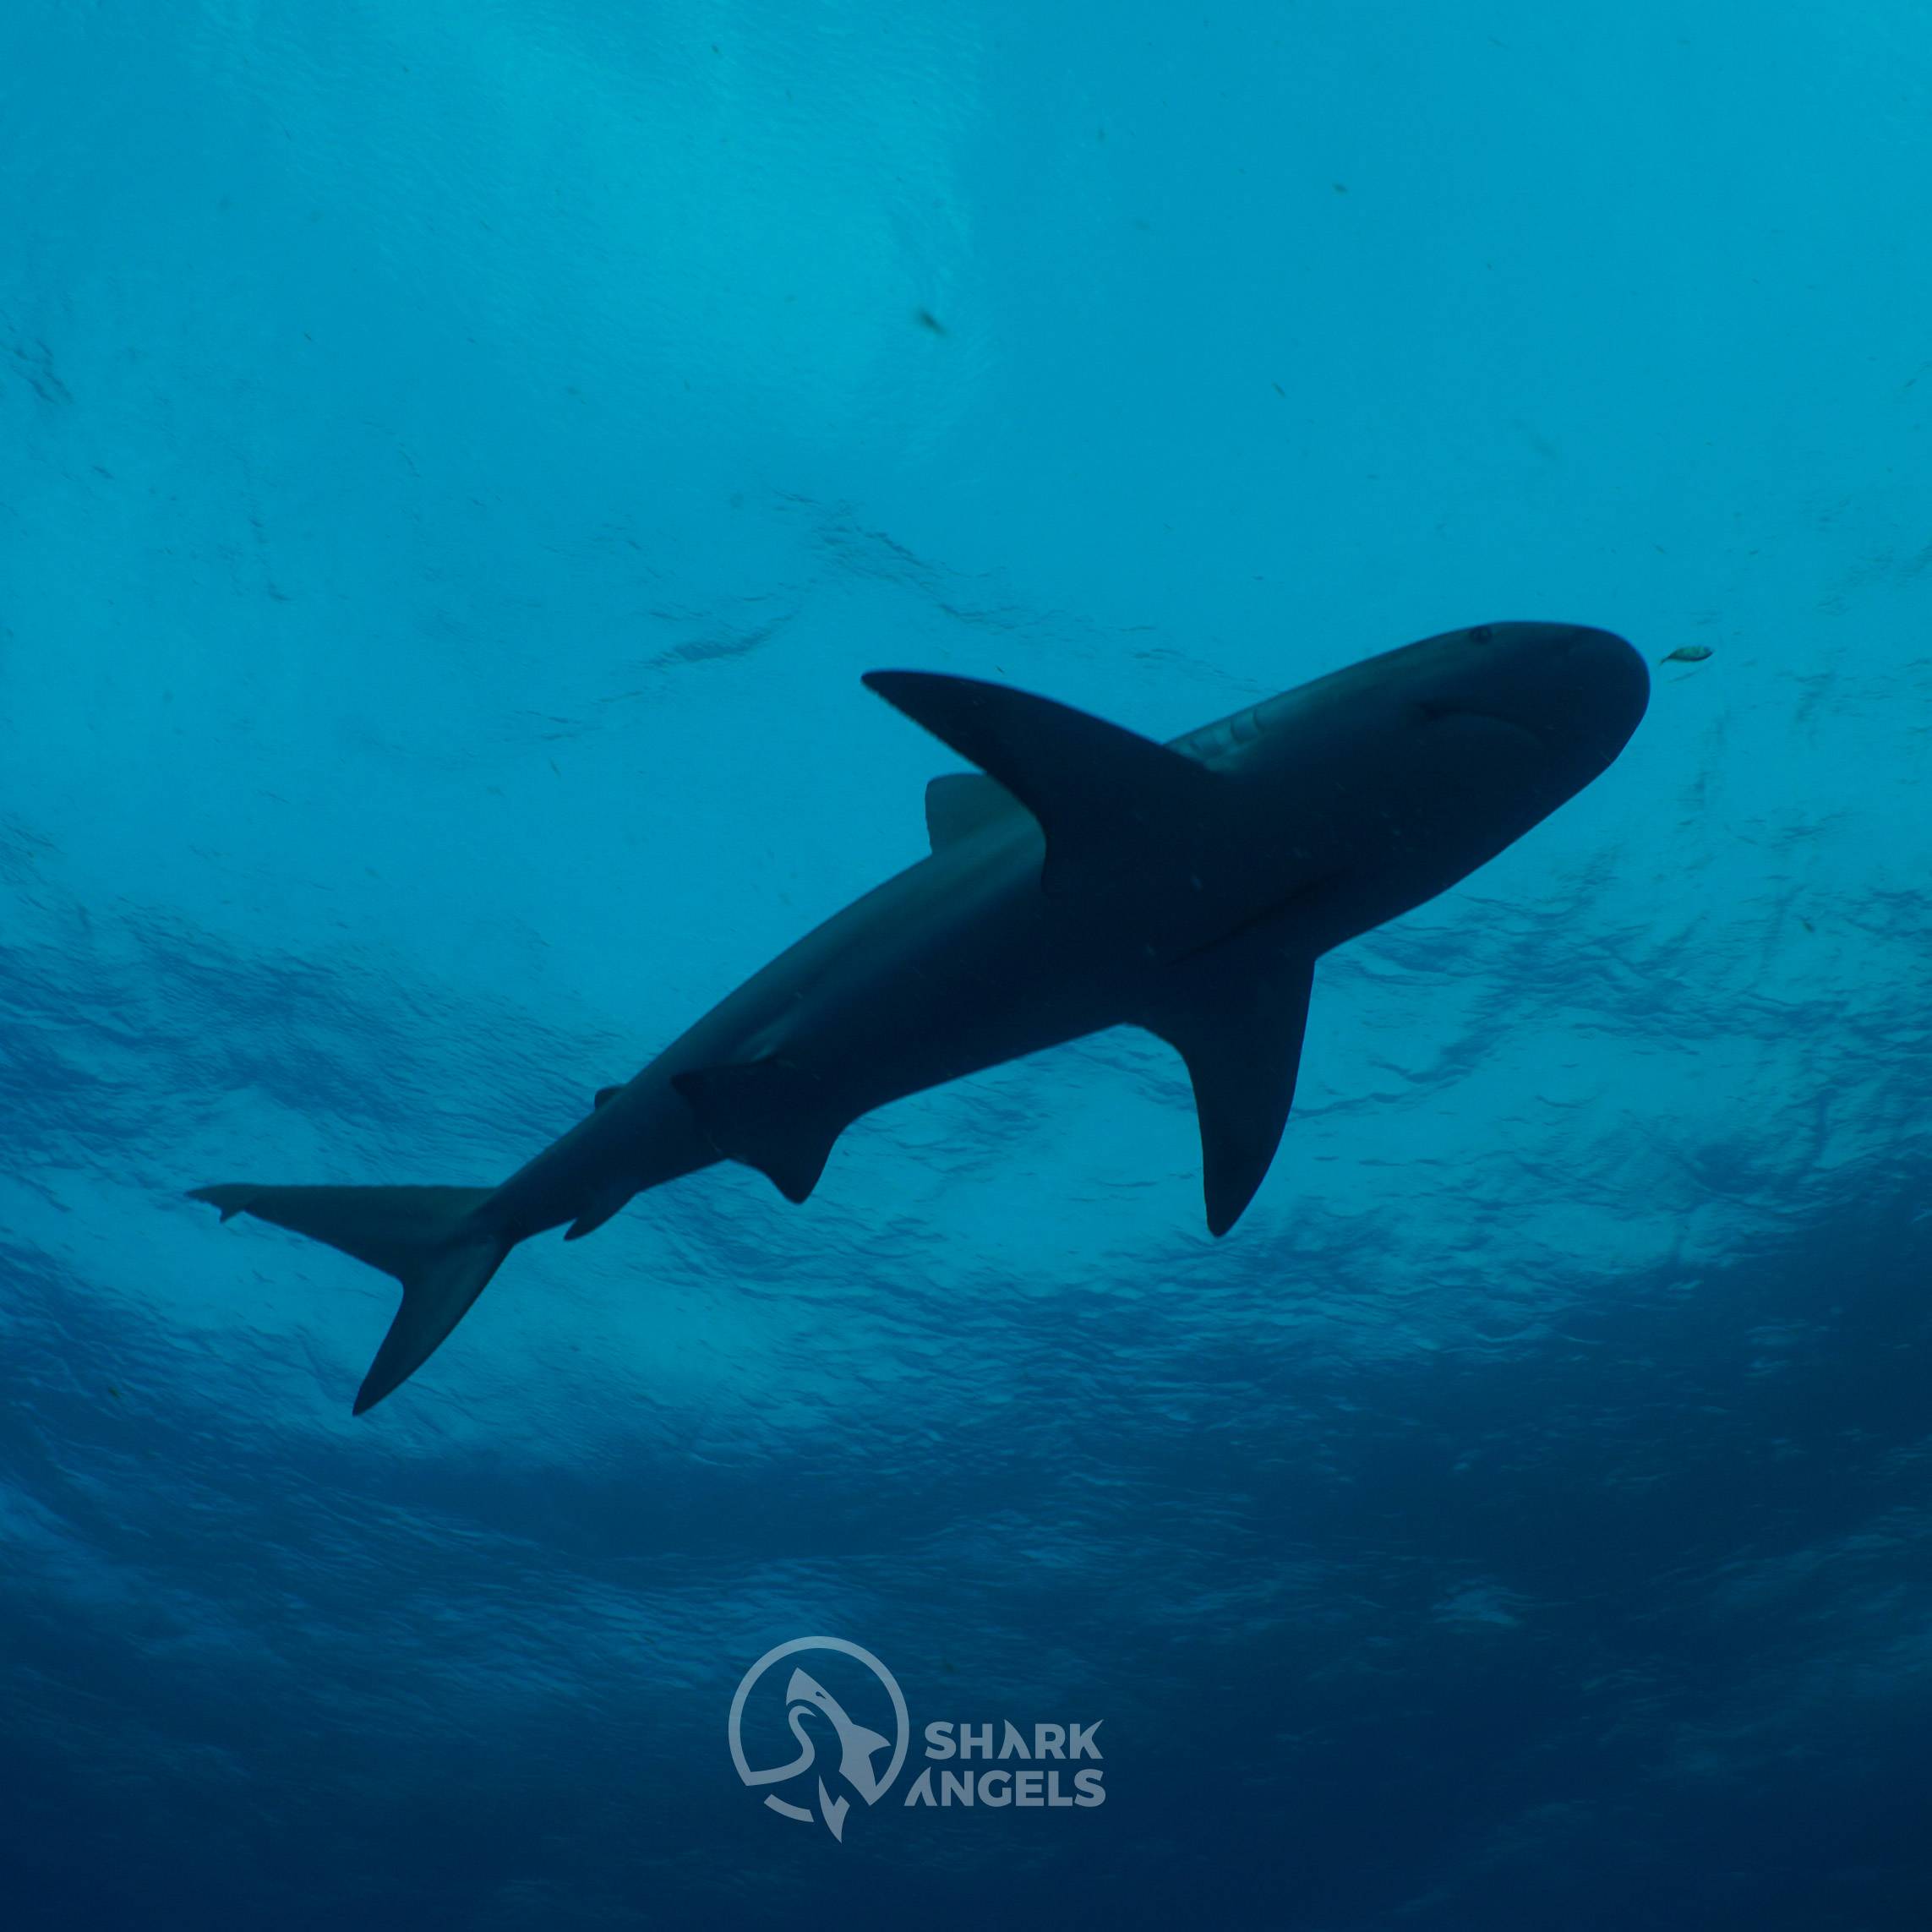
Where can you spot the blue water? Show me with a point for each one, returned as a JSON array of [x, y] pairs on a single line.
[[456, 462]]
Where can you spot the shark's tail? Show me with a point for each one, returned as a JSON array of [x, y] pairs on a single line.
[[430, 1239]]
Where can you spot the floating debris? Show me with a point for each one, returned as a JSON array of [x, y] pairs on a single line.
[[1686, 654]]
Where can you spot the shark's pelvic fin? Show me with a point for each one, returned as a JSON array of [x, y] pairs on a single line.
[[1236, 1014], [427, 1238], [958, 804], [1107, 798], [771, 1115]]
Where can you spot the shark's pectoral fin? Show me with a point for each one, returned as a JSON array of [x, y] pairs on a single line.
[[1109, 800], [1236, 1014], [770, 1114]]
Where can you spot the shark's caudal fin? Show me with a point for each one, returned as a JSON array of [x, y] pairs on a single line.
[[425, 1236]]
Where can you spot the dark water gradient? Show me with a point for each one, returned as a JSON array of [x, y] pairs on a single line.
[[454, 464]]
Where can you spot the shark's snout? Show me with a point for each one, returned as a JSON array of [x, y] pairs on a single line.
[[1578, 691], [1616, 684], [1599, 647]]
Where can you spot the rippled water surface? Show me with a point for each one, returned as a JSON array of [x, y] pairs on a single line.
[[456, 462]]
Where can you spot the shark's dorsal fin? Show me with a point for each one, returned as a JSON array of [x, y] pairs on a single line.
[[771, 1115], [1108, 799], [605, 1093], [1235, 1013], [958, 804]]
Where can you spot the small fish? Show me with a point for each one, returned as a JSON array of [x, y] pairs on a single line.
[[1686, 654], [927, 320]]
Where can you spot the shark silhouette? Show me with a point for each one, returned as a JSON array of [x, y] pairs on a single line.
[[1085, 877], [857, 1748]]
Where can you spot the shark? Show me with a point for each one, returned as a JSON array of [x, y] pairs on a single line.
[[1080, 877], [857, 1748]]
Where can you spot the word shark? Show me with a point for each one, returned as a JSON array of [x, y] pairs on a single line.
[[1084, 878]]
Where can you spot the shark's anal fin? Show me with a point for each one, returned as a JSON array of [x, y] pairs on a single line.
[[1110, 801], [609, 1199], [958, 804], [770, 1114], [1235, 1013]]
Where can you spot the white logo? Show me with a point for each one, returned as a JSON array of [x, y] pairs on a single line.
[[1042, 1766], [859, 1747]]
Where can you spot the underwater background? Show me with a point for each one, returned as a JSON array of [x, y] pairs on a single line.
[[456, 461]]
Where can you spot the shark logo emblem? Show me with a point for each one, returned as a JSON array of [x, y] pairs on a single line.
[[811, 1711]]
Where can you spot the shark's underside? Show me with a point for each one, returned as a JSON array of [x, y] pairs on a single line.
[[1085, 877]]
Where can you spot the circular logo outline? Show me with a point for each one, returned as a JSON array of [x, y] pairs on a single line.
[[844, 1647]]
